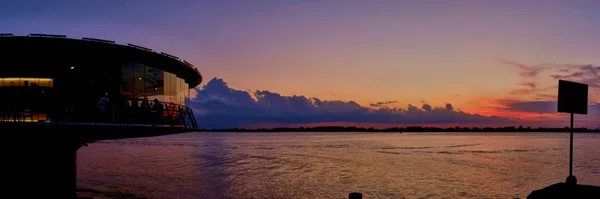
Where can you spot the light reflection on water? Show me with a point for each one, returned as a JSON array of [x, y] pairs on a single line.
[[331, 165]]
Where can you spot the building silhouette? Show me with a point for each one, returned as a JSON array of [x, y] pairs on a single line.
[[57, 94], [52, 78]]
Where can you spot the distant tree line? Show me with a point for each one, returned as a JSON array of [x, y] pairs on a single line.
[[408, 129]]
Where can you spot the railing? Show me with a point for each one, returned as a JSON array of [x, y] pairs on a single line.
[[124, 111], [104, 41]]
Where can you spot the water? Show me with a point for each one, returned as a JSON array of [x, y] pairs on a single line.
[[331, 165]]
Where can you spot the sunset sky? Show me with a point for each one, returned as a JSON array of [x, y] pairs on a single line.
[[386, 63]]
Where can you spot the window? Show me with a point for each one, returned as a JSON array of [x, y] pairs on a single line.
[[154, 83], [127, 80], [25, 99], [179, 91], [26, 81], [139, 81], [167, 86]]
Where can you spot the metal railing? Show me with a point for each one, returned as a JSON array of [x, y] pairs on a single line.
[[124, 111], [104, 41]]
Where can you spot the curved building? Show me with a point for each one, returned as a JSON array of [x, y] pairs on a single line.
[[58, 94], [52, 78]]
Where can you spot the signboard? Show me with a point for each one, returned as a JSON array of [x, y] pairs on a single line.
[[572, 97]]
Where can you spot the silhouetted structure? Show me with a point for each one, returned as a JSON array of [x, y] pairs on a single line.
[[51, 78], [572, 99], [566, 190], [59, 94], [355, 195]]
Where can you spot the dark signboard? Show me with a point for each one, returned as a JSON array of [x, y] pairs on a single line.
[[572, 97]]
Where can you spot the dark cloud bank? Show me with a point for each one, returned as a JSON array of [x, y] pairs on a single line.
[[218, 106], [547, 107]]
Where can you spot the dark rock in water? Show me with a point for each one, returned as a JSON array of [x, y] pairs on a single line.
[[355, 195], [564, 190]]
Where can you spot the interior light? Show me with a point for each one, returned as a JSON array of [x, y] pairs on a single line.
[[140, 78], [72, 67]]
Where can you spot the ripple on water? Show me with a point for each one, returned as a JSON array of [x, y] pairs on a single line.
[[392, 152], [406, 147], [461, 145], [431, 195], [294, 146], [241, 162], [331, 165], [484, 151], [334, 146], [91, 193], [264, 148]]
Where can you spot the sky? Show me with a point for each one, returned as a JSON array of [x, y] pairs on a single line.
[[370, 63]]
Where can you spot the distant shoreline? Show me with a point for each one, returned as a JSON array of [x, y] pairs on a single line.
[[323, 129]]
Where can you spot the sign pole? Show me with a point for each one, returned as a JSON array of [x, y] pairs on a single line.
[[572, 98], [571, 149]]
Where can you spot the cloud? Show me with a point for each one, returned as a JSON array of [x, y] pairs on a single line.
[[531, 85], [533, 106], [427, 107], [521, 91], [218, 106], [528, 87], [546, 107], [547, 96], [380, 104], [527, 71], [569, 76], [587, 74]]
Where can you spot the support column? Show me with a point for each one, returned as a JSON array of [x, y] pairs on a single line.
[[39, 167]]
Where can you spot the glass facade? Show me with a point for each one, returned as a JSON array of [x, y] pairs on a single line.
[[65, 81], [139, 81], [130, 93]]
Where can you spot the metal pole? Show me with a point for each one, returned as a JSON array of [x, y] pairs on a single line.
[[571, 149]]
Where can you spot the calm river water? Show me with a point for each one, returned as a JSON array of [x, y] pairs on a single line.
[[330, 165]]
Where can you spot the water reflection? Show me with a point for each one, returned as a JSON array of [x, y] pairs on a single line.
[[312, 165], [168, 167]]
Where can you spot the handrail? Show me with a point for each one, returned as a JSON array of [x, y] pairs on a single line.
[[116, 112], [46, 35], [98, 40], [187, 63], [140, 47], [103, 41], [170, 56]]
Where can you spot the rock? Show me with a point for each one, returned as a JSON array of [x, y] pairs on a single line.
[[355, 195], [564, 190]]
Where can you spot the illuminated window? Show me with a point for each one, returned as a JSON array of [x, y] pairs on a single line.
[[26, 81]]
